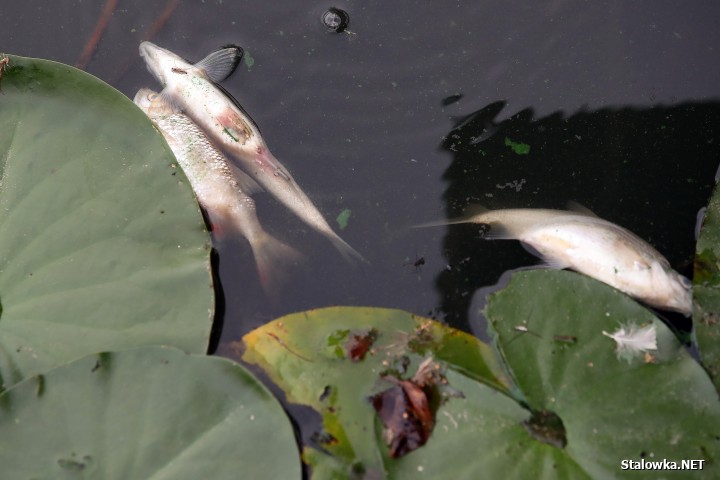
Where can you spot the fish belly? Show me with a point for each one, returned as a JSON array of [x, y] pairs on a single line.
[[593, 251]]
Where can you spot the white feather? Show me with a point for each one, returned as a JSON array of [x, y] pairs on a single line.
[[633, 341]]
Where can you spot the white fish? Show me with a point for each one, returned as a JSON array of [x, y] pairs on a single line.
[[223, 193], [193, 89], [595, 247]]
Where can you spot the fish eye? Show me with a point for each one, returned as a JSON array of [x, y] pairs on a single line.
[[152, 96], [685, 282]]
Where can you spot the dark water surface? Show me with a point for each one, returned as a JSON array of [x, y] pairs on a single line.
[[416, 113]]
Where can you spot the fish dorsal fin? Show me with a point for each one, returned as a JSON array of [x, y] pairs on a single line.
[[221, 64], [245, 181], [576, 207]]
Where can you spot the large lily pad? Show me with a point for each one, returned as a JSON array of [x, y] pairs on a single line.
[[483, 435], [655, 404], [151, 412], [706, 289], [102, 245], [319, 359]]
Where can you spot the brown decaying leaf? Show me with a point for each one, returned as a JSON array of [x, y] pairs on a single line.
[[359, 344], [405, 413], [406, 409]]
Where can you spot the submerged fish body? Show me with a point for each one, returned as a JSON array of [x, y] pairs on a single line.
[[194, 90], [221, 192], [594, 247]]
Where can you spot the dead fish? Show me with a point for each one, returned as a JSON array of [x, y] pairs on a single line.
[[222, 192], [193, 89], [581, 241]]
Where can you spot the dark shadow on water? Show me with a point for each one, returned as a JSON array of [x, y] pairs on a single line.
[[219, 315], [649, 170]]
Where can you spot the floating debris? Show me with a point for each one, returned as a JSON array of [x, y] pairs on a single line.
[[336, 20], [343, 218], [633, 341], [248, 59], [449, 100], [519, 148]]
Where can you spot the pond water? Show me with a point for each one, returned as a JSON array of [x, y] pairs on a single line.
[[422, 108]]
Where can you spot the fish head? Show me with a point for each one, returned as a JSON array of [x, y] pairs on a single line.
[[681, 298], [144, 98], [160, 62], [154, 104], [670, 290]]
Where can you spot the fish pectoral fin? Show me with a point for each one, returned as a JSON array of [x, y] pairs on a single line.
[[499, 232], [546, 261], [245, 181], [576, 207], [221, 64], [169, 99], [554, 263]]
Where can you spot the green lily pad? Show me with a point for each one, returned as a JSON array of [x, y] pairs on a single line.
[[484, 436], [706, 289], [102, 245], [335, 359], [555, 329], [150, 412], [480, 435]]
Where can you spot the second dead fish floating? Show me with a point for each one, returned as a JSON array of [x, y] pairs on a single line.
[[193, 89], [595, 247], [222, 192]]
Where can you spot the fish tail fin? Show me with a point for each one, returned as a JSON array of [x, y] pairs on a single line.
[[348, 252], [273, 260], [469, 216], [440, 223]]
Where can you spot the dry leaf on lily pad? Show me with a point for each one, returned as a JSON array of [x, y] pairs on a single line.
[[407, 409]]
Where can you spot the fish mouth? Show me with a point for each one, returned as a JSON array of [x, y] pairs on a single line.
[[152, 55], [148, 51]]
